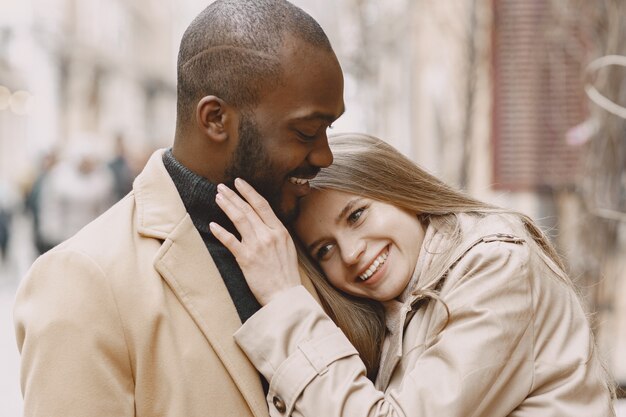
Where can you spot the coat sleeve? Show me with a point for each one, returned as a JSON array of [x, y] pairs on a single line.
[[74, 357], [480, 365]]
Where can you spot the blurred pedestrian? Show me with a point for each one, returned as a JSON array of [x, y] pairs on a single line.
[[33, 199], [5, 232], [123, 174], [5, 223], [9, 202], [76, 191]]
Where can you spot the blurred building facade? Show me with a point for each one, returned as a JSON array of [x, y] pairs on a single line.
[[86, 70], [483, 93]]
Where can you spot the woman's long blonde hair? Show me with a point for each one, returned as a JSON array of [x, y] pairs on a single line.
[[366, 166]]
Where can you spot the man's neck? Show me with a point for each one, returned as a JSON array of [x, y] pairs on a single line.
[[198, 195]]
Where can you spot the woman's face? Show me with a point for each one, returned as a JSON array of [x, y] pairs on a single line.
[[365, 247]]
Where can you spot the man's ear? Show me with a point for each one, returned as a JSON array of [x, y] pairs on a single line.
[[214, 116]]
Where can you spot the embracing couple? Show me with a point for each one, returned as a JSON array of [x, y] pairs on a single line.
[[260, 267]]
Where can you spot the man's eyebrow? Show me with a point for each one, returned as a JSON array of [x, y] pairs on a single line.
[[320, 116]]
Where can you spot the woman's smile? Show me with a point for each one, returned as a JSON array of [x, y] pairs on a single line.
[[375, 266]]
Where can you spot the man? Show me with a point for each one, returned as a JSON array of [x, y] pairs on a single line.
[[133, 316]]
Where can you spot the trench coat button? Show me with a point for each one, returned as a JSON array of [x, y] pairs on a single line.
[[279, 404]]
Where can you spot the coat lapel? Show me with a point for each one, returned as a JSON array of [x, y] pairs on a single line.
[[192, 275], [185, 264]]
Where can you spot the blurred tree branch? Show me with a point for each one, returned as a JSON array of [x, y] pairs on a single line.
[[597, 29]]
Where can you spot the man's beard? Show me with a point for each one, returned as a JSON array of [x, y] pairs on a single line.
[[252, 163]]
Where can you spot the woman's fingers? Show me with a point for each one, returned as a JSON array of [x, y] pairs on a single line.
[[235, 208], [266, 253], [228, 240], [258, 203]]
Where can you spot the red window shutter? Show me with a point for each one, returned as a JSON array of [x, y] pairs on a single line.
[[538, 97]]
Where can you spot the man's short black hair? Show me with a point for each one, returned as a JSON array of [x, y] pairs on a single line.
[[231, 50]]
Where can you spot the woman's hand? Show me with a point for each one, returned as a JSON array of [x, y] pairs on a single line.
[[266, 253]]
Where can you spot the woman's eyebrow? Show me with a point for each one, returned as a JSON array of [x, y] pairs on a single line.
[[348, 207], [313, 245]]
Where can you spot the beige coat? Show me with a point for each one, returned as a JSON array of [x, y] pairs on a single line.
[[130, 317], [517, 344]]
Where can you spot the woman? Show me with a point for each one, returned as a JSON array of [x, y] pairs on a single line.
[[452, 306]]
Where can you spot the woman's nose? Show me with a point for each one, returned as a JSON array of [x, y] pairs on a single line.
[[353, 251]]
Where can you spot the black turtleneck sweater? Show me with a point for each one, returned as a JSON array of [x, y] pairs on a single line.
[[198, 195]]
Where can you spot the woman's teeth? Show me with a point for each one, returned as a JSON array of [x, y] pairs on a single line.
[[375, 266], [298, 181]]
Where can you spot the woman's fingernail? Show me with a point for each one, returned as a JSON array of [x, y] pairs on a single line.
[[221, 187], [218, 197]]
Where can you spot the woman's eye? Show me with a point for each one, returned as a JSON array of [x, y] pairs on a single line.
[[355, 215], [322, 252]]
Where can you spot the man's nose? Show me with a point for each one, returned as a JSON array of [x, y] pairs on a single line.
[[321, 155]]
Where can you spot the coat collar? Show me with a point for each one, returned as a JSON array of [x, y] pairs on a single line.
[[185, 264], [159, 207], [474, 230]]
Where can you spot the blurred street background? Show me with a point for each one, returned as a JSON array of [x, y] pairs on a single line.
[[520, 103]]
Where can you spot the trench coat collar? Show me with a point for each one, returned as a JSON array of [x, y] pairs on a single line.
[[474, 230], [185, 264]]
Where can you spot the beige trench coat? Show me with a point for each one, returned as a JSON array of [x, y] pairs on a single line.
[[130, 317], [517, 344]]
